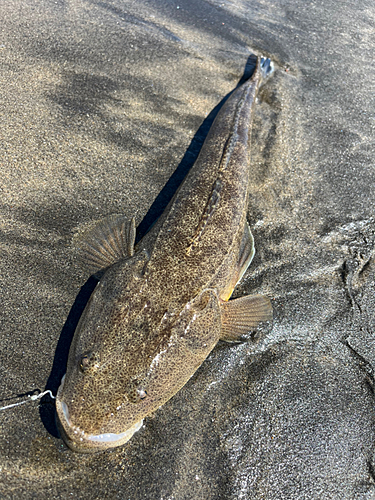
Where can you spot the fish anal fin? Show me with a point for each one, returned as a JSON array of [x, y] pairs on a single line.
[[106, 242], [245, 256], [243, 315]]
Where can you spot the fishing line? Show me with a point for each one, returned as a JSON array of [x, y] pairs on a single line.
[[31, 398]]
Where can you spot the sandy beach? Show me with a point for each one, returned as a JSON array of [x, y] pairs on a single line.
[[103, 109]]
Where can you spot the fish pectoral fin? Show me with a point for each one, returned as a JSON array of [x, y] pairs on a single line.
[[105, 242], [243, 315], [245, 256]]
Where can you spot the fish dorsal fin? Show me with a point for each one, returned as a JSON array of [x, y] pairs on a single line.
[[106, 242], [245, 256], [243, 315]]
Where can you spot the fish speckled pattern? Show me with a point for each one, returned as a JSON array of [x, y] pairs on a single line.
[[161, 307]]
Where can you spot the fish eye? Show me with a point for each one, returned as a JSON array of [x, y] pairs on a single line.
[[136, 392], [142, 394], [137, 395], [86, 361]]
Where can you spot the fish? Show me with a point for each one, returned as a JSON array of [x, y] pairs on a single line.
[[161, 305]]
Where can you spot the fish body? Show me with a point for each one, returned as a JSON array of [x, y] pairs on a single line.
[[161, 306]]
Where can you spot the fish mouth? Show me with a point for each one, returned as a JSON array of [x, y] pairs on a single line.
[[77, 440]]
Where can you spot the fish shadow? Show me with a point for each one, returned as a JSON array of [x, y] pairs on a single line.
[[166, 194], [47, 408]]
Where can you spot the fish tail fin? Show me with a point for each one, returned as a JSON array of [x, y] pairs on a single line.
[[266, 67]]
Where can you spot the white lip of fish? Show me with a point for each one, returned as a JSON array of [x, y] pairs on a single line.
[[99, 439]]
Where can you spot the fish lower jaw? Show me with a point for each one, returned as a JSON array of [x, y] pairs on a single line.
[[77, 440]]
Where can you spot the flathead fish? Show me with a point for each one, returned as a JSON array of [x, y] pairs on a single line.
[[161, 306]]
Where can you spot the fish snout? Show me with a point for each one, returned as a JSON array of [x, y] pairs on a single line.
[[72, 436], [73, 445], [84, 442]]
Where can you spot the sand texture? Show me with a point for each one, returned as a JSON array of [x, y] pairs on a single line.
[[103, 108]]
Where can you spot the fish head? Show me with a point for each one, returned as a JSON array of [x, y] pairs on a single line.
[[128, 357]]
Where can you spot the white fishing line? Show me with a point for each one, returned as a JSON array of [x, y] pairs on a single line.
[[31, 398]]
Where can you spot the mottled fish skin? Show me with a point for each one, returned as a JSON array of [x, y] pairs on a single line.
[[161, 307]]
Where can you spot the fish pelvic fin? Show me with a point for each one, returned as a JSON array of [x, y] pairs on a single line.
[[245, 256], [105, 242], [243, 315]]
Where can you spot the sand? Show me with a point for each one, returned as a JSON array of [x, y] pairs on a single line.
[[103, 108]]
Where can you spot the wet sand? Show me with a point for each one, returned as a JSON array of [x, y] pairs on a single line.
[[103, 107]]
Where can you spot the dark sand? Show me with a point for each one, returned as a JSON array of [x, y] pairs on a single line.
[[100, 102]]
